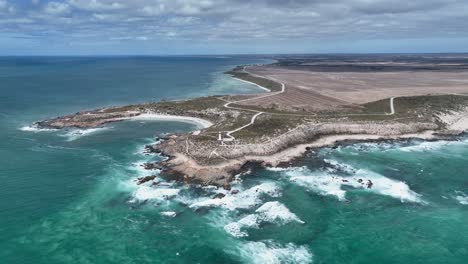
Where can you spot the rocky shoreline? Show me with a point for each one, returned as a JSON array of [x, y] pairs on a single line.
[[204, 158], [195, 164], [181, 168]]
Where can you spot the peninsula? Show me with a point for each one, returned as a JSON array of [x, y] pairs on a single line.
[[307, 101]]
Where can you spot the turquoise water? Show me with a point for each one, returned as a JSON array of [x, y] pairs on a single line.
[[70, 196]]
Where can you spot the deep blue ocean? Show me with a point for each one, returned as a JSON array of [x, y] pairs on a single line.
[[70, 196]]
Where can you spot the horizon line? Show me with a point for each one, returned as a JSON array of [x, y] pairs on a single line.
[[232, 54]]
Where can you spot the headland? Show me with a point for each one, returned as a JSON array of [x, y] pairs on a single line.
[[307, 102]]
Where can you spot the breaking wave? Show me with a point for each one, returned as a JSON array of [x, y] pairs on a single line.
[[270, 212], [461, 197], [243, 200], [74, 134], [35, 129], [274, 253], [326, 183]]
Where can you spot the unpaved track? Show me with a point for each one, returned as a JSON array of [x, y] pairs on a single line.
[[358, 87], [252, 121], [392, 107], [283, 89]]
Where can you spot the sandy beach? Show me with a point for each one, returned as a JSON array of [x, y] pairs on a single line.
[[259, 86], [200, 123]]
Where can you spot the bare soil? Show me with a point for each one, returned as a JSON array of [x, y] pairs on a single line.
[[315, 91]]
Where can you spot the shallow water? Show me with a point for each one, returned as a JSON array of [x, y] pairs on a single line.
[[70, 196]]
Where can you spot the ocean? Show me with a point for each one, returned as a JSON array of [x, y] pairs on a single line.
[[70, 196]]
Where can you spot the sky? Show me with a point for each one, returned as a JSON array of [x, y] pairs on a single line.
[[183, 27]]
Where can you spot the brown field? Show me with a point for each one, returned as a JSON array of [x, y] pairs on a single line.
[[316, 91]]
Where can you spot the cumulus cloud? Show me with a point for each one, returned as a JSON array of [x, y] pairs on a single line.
[[228, 21], [3, 4], [98, 5], [56, 8]]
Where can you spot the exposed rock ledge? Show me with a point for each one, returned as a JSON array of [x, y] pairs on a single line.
[[196, 159], [196, 165]]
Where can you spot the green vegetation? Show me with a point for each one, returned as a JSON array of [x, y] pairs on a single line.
[[377, 107], [430, 103], [269, 125], [231, 123], [276, 121], [196, 104], [239, 73], [411, 108]]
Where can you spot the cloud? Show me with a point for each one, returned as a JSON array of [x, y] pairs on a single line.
[[183, 21], [397, 6], [6, 8], [56, 8], [234, 22], [98, 5], [3, 4]]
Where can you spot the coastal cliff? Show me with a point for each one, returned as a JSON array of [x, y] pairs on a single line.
[[234, 134]]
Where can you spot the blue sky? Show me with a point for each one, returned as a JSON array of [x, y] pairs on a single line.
[[105, 27]]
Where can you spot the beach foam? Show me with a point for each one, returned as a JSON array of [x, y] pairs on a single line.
[[407, 145], [426, 146], [325, 183], [390, 187], [35, 129], [337, 166], [461, 197], [270, 212], [149, 193], [74, 134], [322, 184], [276, 212], [235, 228], [242, 200], [168, 214], [276, 169], [273, 253], [139, 169]]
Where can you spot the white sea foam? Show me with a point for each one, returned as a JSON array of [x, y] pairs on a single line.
[[322, 184], [235, 228], [329, 184], [340, 166], [412, 146], [276, 169], [390, 187], [35, 129], [149, 193], [433, 145], [425, 146], [74, 134], [252, 83], [276, 212], [273, 253], [141, 149], [242, 200], [382, 146], [270, 212], [461, 197], [139, 169], [169, 214]]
